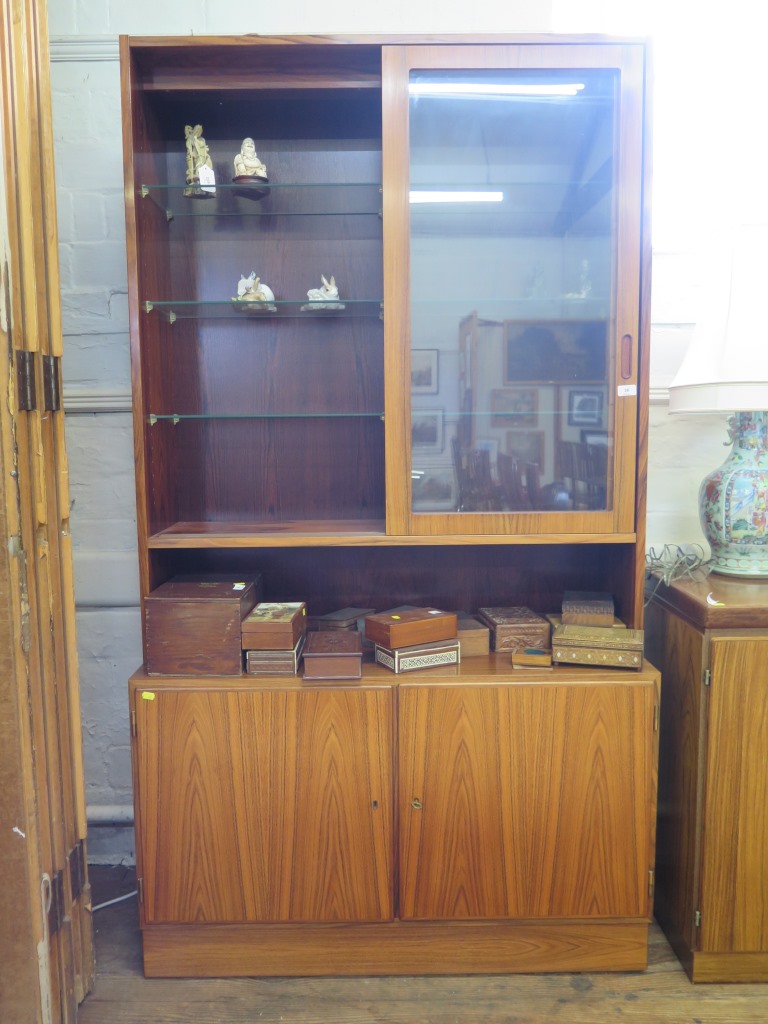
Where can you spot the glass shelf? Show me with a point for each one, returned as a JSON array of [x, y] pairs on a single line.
[[175, 418], [278, 199], [230, 309]]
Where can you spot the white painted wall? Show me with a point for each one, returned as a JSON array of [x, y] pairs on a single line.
[[87, 133]]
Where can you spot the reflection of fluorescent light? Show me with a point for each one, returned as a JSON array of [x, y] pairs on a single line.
[[494, 89], [455, 197]]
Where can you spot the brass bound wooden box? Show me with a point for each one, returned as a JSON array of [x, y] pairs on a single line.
[[273, 626], [333, 654], [515, 627], [408, 626], [598, 645], [192, 624]]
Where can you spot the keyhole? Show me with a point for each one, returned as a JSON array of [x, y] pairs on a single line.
[[416, 804]]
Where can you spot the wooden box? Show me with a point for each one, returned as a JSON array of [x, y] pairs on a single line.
[[192, 624], [474, 636], [333, 654], [274, 626], [344, 618], [419, 656], [275, 663], [598, 645], [406, 627], [556, 620], [587, 608], [515, 627]]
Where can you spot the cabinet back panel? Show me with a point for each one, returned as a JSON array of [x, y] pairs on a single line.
[[454, 578]]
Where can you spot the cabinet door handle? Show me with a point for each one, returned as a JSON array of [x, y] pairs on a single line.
[[626, 357], [416, 804]]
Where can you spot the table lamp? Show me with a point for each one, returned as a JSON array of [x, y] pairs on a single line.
[[726, 370]]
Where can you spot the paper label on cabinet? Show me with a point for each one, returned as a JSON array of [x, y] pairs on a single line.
[[627, 390]]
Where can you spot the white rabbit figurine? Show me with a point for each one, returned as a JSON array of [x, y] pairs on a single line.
[[325, 297], [252, 289]]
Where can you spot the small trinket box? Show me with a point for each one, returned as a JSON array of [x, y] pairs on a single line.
[[273, 626], [333, 654], [515, 627], [598, 645], [419, 656], [405, 627]]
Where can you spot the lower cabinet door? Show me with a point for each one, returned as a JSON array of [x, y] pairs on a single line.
[[265, 805], [526, 801], [734, 849]]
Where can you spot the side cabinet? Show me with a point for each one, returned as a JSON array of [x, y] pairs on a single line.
[[710, 640]]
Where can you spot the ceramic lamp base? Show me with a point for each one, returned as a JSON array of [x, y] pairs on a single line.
[[733, 501]]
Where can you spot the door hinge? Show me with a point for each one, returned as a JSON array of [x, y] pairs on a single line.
[[707, 677], [140, 889], [655, 717], [51, 393], [25, 380], [56, 910], [133, 722], [697, 919], [76, 859], [651, 880]]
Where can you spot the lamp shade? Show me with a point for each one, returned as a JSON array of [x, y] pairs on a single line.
[[726, 366]]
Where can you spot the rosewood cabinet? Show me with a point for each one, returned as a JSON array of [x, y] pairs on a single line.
[[465, 427], [710, 640], [274, 820]]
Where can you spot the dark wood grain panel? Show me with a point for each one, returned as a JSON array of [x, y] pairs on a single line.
[[456, 578], [677, 648]]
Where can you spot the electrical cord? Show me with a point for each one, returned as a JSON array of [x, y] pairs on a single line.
[[676, 563]]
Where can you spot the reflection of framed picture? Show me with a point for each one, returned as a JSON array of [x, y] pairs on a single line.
[[427, 429], [514, 407], [554, 350], [433, 487], [585, 408], [526, 446], [424, 371], [594, 437]]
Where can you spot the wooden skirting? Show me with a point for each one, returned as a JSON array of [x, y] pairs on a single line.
[[711, 967], [209, 951]]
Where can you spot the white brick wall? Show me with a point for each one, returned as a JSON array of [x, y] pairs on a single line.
[[87, 137]]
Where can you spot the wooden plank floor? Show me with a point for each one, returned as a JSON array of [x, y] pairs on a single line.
[[663, 993]]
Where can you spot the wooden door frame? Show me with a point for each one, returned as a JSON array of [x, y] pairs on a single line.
[[46, 942]]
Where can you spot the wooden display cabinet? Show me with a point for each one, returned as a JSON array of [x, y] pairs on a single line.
[[710, 639], [324, 448]]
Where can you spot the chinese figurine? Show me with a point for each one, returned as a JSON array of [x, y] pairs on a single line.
[[247, 163], [200, 178]]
